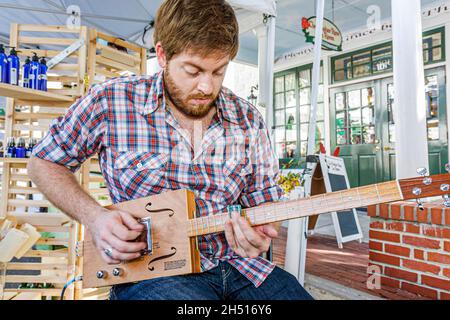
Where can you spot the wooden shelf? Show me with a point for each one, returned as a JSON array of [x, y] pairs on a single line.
[[14, 160], [26, 94]]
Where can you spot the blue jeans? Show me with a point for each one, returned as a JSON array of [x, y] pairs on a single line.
[[221, 283]]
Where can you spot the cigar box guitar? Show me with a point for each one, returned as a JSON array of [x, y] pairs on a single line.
[[172, 228]]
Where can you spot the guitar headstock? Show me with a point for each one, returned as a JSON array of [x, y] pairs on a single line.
[[427, 186]]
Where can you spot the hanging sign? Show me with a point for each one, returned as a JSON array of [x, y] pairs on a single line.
[[331, 37]]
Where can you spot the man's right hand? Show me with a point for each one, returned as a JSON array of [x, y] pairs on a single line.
[[116, 231]]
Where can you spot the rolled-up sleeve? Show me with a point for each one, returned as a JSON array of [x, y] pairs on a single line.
[[262, 185], [77, 135]]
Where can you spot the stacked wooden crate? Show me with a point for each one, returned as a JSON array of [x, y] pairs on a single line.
[[51, 263]]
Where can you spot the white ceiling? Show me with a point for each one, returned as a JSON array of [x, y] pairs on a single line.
[[127, 19]]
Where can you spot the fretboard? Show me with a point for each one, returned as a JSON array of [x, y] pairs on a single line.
[[303, 207]]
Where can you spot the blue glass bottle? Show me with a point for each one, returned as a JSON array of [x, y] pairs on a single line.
[[21, 151], [42, 78], [31, 144], [11, 148], [34, 72], [26, 73], [3, 65], [13, 67]]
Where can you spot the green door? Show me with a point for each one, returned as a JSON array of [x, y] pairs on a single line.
[[436, 123], [354, 128]]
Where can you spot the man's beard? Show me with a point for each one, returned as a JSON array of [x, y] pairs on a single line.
[[175, 96]]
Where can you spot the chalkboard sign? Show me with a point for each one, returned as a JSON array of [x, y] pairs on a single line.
[[346, 223]]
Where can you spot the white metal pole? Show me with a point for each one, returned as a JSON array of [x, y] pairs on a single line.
[[315, 77], [295, 257], [409, 109]]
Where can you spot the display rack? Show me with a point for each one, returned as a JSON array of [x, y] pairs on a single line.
[[51, 263], [28, 114]]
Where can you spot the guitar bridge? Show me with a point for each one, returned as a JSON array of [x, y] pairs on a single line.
[[147, 237]]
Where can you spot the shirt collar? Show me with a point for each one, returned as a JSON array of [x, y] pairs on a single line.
[[155, 92], [226, 102]]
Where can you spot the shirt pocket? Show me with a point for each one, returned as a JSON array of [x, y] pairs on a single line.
[[236, 176], [140, 174], [140, 161], [235, 167]]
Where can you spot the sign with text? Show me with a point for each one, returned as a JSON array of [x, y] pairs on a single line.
[[331, 35]]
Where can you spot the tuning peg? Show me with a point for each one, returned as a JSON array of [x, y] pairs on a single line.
[[420, 204], [422, 171], [446, 200], [447, 167], [445, 187], [417, 191], [427, 181]]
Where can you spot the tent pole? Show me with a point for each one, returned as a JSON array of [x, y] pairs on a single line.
[[295, 257]]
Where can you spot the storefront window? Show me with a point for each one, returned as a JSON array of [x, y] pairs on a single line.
[[379, 59], [292, 102], [355, 117], [431, 103]]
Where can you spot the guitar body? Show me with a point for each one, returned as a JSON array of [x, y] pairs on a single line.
[[173, 251]]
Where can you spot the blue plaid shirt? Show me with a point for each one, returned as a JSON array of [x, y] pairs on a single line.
[[144, 151]]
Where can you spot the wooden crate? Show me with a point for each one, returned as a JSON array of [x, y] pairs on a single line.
[[106, 61], [51, 261]]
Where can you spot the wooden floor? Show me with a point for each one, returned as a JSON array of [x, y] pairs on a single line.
[[347, 266]]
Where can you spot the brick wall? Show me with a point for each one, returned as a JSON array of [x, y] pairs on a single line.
[[412, 247]]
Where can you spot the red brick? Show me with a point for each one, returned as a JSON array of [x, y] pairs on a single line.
[[424, 292], [438, 257], [397, 250], [436, 215], [412, 228], [419, 254], [432, 231], [447, 246], [384, 211], [401, 274], [374, 245], [447, 217], [392, 237], [372, 211], [445, 296], [436, 282], [422, 215], [420, 266], [446, 273], [408, 211], [393, 283], [421, 242], [397, 226], [376, 225], [446, 233], [395, 212], [383, 258], [437, 232]]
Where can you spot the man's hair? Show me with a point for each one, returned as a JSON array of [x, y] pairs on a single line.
[[203, 26]]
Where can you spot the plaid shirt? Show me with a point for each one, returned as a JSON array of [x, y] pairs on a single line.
[[143, 151]]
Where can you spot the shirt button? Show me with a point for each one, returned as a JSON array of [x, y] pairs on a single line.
[[139, 165]]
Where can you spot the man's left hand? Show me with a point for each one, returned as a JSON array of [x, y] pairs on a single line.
[[248, 241]]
